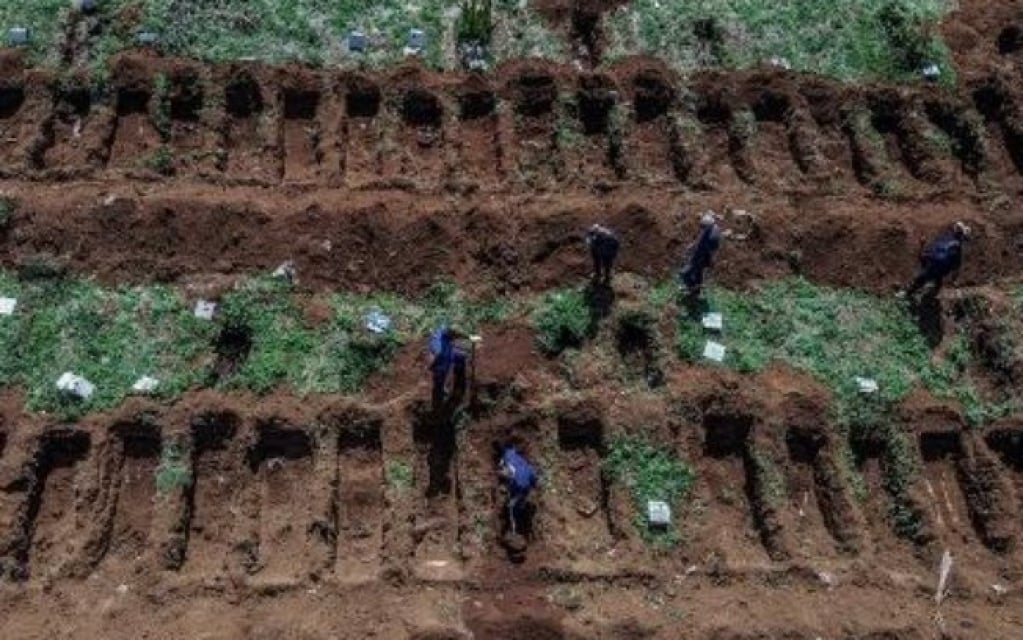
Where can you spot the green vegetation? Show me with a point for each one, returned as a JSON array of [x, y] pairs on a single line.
[[846, 39], [113, 337], [649, 473], [399, 475], [162, 160], [835, 335], [475, 22], [563, 321], [7, 208], [174, 472], [43, 19]]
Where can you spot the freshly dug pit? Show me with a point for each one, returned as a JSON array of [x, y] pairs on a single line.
[[653, 96], [11, 99], [232, 347], [186, 99], [1010, 39], [243, 97], [76, 102], [474, 105], [595, 99], [279, 443], [420, 108], [301, 105], [132, 101], [941, 446], [363, 101], [771, 107], [535, 94], [726, 435]]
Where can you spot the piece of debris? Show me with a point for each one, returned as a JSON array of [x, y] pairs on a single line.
[[122, 589], [713, 321], [287, 271], [866, 385], [944, 571], [18, 36], [658, 514], [931, 71], [7, 306], [204, 309], [780, 62], [714, 351], [416, 40], [377, 321], [357, 42], [145, 384], [999, 589], [827, 579], [146, 38], [76, 386]]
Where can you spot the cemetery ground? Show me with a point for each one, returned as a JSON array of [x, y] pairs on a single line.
[[236, 239]]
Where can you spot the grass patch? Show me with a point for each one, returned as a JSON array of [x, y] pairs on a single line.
[[563, 321], [174, 472], [43, 19], [400, 476], [847, 39], [650, 473]]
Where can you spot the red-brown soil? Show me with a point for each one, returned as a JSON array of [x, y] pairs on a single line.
[[370, 517]]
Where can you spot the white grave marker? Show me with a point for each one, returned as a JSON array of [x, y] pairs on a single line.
[[7, 306], [714, 351], [76, 386], [145, 384], [658, 513], [713, 321], [867, 385], [204, 309]]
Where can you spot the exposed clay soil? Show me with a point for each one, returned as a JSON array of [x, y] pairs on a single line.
[[373, 517]]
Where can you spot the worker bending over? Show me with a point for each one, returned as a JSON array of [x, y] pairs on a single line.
[[603, 244], [519, 479], [940, 259], [701, 254]]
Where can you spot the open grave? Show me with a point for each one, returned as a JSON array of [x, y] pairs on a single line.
[[725, 485], [192, 140], [362, 133], [1003, 124], [771, 146], [362, 506], [23, 111], [535, 154], [817, 514], [579, 509], [53, 519], [288, 544], [303, 134], [417, 151], [76, 131], [215, 495], [436, 518], [477, 138], [723, 152], [249, 131], [593, 153], [137, 452], [135, 138], [942, 454], [647, 149]]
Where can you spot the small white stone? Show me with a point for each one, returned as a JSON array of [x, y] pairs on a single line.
[[867, 385], [122, 589], [7, 306], [714, 351]]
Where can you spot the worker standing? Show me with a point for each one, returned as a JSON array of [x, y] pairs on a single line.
[[940, 259], [701, 254], [447, 357], [519, 479], [603, 244]]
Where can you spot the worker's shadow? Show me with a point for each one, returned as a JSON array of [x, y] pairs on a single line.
[[515, 545], [928, 315], [694, 306], [600, 297], [436, 435]]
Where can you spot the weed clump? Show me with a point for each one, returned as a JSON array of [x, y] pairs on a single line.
[[174, 471], [563, 321]]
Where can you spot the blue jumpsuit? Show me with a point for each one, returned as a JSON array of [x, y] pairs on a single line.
[[701, 257], [445, 357], [937, 261], [523, 481]]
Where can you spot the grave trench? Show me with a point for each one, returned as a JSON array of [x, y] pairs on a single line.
[[944, 474], [282, 461], [52, 496], [992, 101], [637, 346], [436, 529], [1010, 39], [232, 346], [726, 459], [582, 447], [595, 104], [968, 149], [302, 134], [186, 98], [75, 102], [218, 482], [132, 102], [140, 449], [809, 476], [652, 97], [11, 101], [360, 507]]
